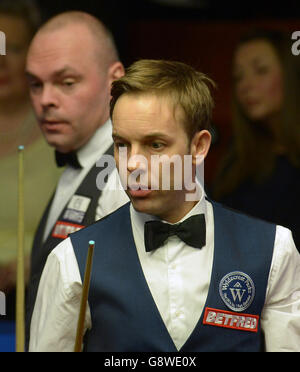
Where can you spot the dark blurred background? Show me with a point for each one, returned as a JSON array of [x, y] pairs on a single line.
[[202, 33]]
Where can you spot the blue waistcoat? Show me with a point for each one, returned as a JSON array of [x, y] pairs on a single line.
[[124, 315]]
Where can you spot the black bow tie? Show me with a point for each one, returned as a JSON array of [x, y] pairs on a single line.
[[67, 159], [192, 231]]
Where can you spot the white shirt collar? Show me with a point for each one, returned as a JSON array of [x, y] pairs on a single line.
[[96, 146], [138, 219]]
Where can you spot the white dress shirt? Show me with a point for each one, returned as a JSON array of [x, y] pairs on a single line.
[[177, 285], [71, 179]]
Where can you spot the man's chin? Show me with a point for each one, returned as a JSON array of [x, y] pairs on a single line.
[[58, 143], [140, 205], [145, 205]]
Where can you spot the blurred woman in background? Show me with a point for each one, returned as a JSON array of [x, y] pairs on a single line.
[[260, 175]]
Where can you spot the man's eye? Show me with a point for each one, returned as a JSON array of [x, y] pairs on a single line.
[[156, 145], [34, 85], [68, 82]]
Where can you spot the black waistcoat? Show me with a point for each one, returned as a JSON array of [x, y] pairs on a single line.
[[78, 212]]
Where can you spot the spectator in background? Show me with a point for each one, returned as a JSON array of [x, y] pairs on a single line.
[[19, 20], [260, 175], [71, 63]]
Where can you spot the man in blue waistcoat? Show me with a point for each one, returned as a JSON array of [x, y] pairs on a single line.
[[172, 270]]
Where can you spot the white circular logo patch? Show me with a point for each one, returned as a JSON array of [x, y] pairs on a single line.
[[237, 290]]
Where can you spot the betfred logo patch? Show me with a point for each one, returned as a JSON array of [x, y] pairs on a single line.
[[63, 229], [229, 319]]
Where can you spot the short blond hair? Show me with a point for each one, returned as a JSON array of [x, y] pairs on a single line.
[[187, 88]]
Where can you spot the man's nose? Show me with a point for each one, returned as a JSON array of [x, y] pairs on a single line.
[[136, 159], [49, 97]]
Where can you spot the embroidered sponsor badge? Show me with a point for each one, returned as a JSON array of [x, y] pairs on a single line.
[[237, 290], [77, 208], [62, 229], [229, 319]]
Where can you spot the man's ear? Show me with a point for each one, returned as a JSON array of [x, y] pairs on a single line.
[[116, 71], [200, 145]]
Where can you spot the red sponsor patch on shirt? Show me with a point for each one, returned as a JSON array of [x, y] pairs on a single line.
[[63, 229], [229, 319]]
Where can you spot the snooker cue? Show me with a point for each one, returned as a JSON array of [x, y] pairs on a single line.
[[84, 298], [20, 281]]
